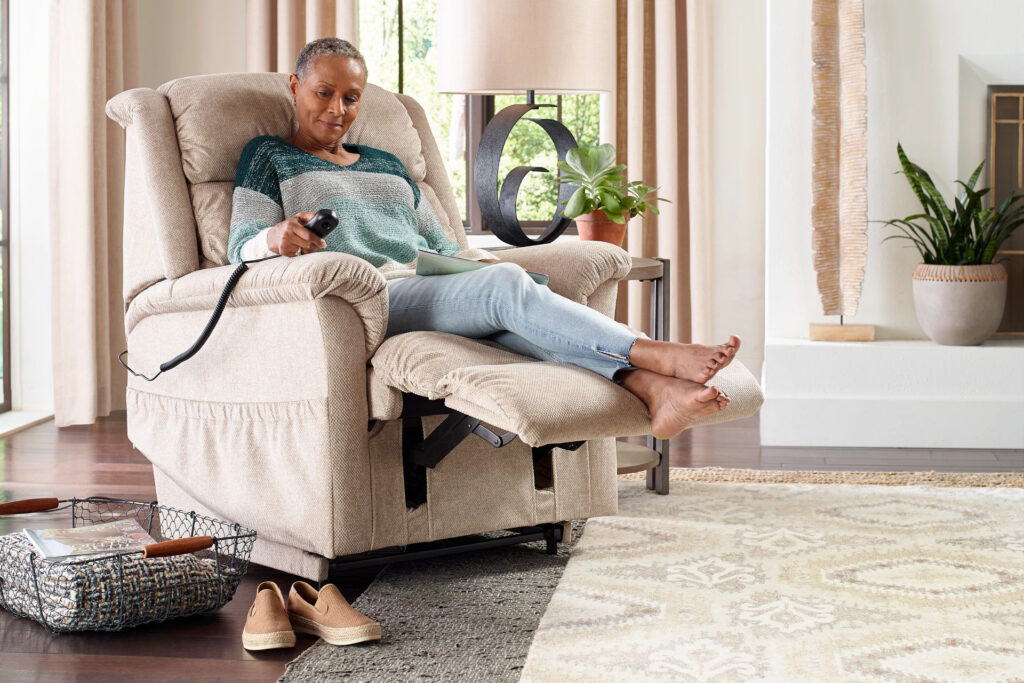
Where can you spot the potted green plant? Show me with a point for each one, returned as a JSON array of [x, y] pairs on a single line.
[[959, 293], [604, 200]]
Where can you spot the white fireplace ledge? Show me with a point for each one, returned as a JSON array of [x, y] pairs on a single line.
[[893, 393]]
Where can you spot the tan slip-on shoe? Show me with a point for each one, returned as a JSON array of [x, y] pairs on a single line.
[[267, 626], [326, 613]]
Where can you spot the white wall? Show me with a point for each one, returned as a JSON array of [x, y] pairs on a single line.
[[919, 53], [189, 37], [739, 158]]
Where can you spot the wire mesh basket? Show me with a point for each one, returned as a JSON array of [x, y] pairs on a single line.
[[195, 567]]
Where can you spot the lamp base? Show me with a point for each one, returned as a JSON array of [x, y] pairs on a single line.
[[499, 211]]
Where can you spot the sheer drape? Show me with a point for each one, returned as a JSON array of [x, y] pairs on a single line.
[[275, 30], [94, 57], [663, 134]]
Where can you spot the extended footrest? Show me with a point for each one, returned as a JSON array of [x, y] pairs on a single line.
[[542, 402]]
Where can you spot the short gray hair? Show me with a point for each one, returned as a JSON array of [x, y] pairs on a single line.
[[322, 47]]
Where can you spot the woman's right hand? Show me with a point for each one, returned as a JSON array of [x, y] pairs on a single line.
[[290, 236]]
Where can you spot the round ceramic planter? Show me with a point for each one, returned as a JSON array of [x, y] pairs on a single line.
[[598, 227], [959, 305]]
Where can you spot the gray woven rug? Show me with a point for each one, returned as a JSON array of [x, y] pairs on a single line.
[[468, 617]]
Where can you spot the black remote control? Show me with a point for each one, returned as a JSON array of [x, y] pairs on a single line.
[[322, 223]]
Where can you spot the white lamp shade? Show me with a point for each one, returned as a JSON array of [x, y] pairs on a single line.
[[511, 46]]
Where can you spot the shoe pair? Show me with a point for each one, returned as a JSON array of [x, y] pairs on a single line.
[[325, 613]]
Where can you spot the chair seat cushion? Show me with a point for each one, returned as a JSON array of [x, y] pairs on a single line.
[[542, 402]]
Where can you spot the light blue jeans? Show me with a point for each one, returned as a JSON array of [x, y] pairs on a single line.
[[503, 304]]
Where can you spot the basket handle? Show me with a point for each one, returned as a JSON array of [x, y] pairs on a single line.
[[178, 546], [17, 507]]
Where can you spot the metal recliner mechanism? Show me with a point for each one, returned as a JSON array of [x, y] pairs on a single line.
[[419, 453], [450, 434], [427, 452]]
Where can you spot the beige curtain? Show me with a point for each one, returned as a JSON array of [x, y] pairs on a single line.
[[663, 134], [94, 57], [275, 30]]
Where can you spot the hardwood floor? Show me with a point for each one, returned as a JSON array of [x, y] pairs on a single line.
[[99, 460]]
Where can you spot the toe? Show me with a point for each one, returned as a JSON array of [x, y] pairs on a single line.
[[707, 394]]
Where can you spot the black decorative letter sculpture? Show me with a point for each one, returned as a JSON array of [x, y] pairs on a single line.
[[499, 212]]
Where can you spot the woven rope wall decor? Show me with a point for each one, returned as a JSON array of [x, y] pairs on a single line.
[[839, 211]]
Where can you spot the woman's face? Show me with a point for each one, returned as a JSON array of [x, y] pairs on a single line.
[[327, 102]]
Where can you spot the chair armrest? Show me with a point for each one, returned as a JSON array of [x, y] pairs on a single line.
[[279, 280], [576, 269]]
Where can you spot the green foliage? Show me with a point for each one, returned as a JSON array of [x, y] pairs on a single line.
[[966, 234], [602, 185], [378, 31]]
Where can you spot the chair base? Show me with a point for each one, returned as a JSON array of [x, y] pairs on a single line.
[[552, 534]]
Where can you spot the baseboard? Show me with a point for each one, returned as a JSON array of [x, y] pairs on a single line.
[[15, 421]]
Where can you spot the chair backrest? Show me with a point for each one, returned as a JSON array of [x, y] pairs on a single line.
[[213, 117]]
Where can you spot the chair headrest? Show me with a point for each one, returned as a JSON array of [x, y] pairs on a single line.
[[216, 115]]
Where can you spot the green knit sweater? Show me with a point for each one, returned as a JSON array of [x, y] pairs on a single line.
[[383, 217]]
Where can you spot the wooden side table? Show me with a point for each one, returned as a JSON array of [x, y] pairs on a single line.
[[654, 456]]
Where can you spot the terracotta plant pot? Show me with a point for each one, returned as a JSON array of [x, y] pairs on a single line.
[[959, 305], [597, 227]]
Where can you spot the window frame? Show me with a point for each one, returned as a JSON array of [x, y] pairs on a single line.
[[5, 196]]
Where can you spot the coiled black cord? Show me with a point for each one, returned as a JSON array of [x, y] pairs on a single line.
[[207, 331]]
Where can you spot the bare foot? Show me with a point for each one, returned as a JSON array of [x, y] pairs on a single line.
[[695, 362], [674, 403]]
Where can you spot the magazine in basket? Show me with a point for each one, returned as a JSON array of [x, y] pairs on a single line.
[[123, 535]]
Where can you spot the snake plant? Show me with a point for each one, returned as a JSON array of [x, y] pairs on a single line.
[[966, 233]]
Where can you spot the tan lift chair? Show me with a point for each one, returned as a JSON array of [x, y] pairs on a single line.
[[294, 417]]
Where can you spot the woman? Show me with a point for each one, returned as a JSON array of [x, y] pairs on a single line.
[[384, 220]]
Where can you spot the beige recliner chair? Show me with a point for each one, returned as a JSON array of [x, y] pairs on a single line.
[[290, 419]]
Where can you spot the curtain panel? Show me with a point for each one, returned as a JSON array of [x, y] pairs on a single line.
[[93, 57], [275, 30], [663, 134]]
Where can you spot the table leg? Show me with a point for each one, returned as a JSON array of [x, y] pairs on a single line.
[[657, 476]]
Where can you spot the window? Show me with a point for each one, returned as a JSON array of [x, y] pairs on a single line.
[[397, 39], [5, 208]]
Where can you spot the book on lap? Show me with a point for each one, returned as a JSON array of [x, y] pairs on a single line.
[[431, 263]]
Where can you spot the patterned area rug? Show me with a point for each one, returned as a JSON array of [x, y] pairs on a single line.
[[725, 475], [794, 582], [466, 617]]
